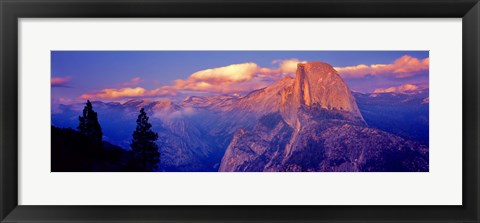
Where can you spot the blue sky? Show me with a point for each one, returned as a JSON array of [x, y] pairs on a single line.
[[153, 73]]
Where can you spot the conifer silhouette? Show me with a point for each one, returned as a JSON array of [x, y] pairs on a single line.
[[89, 125], [145, 151]]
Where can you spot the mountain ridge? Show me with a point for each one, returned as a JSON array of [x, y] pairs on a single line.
[[302, 128], [284, 120]]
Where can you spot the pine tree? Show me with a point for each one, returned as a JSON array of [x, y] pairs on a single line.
[[145, 151], [89, 125]]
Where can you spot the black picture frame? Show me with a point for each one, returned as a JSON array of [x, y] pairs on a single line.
[[12, 10]]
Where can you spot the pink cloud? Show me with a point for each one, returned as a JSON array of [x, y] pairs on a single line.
[[398, 89], [219, 87], [133, 82], [405, 66], [235, 77], [227, 79], [62, 100], [120, 93], [160, 92], [59, 81], [230, 73], [112, 93], [288, 66]]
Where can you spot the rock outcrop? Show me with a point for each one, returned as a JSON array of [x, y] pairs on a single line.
[[318, 127], [319, 86], [310, 122], [322, 146]]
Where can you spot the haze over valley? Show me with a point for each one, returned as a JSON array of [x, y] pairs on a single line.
[[310, 120]]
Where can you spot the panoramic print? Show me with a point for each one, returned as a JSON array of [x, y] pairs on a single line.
[[239, 111]]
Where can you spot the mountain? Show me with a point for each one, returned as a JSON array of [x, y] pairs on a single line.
[[402, 114], [338, 147], [402, 89], [318, 85], [312, 122], [183, 145], [319, 127]]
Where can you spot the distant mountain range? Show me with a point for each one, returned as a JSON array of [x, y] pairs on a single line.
[[312, 122]]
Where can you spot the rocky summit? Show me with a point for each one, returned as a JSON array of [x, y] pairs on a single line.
[[310, 122], [319, 128], [318, 86]]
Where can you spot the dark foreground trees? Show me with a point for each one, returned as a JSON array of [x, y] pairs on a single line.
[[89, 125], [144, 148], [84, 150], [72, 152]]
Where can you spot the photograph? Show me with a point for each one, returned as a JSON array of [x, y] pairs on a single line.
[[239, 111]]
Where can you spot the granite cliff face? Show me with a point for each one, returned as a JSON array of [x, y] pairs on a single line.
[[310, 122], [318, 86], [318, 127], [322, 146]]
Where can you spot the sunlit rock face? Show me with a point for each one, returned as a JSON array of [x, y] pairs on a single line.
[[318, 127], [318, 85], [310, 122]]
